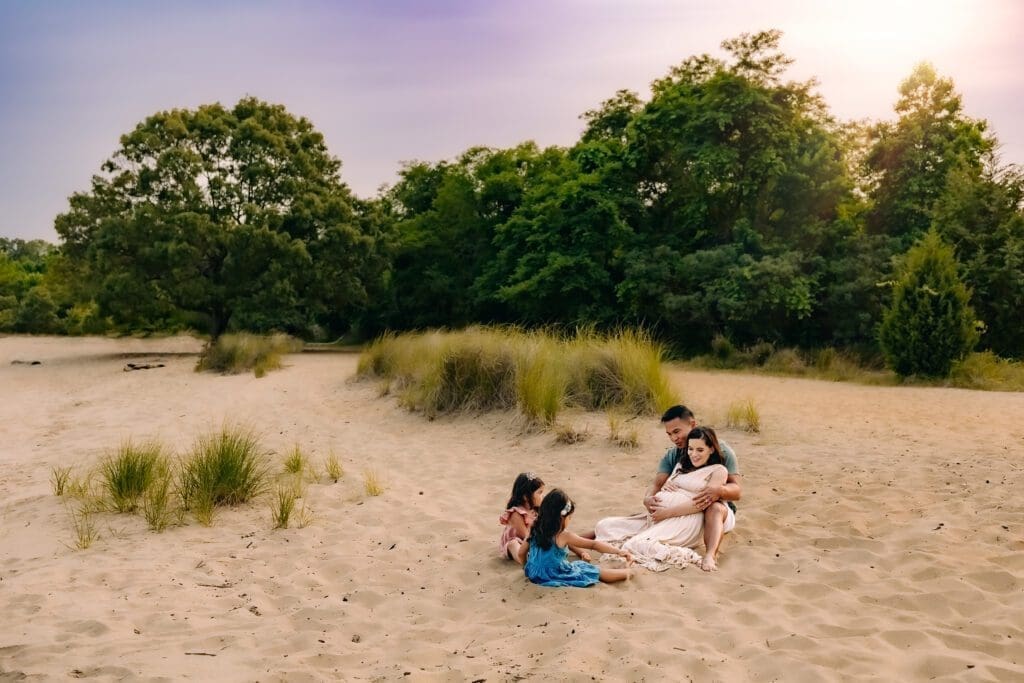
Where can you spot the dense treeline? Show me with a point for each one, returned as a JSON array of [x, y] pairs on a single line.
[[730, 202]]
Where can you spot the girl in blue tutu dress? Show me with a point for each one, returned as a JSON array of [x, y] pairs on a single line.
[[545, 551]]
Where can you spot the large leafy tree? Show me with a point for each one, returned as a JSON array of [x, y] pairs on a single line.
[[912, 158], [222, 218]]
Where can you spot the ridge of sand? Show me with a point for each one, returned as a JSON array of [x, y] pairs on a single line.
[[880, 536]]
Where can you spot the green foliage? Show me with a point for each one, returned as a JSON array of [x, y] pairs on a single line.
[[333, 468], [987, 371], [225, 467], [59, 478], [930, 324], [540, 373], [282, 506], [159, 503], [295, 462], [127, 474], [221, 217], [241, 352]]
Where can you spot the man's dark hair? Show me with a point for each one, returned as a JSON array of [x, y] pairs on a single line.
[[677, 412]]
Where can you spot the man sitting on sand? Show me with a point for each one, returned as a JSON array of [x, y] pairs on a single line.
[[715, 499]]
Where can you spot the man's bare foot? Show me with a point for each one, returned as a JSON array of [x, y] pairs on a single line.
[[708, 564]]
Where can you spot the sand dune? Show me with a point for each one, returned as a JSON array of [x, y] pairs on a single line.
[[880, 536]]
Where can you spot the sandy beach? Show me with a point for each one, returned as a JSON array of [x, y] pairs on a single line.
[[880, 536]]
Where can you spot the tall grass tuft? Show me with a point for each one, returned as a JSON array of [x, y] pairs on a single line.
[[241, 352], [372, 483], [128, 473], [540, 373], [333, 467], [59, 478], [282, 505], [744, 415], [159, 503], [295, 462], [226, 467], [568, 434], [84, 526]]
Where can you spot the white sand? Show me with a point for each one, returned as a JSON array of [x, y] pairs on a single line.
[[880, 536]]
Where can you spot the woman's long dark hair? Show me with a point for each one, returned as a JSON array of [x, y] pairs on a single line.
[[523, 489], [708, 436], [553, 509]]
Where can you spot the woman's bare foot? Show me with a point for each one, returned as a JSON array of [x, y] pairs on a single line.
[[708, 564]]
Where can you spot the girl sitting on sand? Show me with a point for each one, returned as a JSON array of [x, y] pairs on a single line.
[[520, 513], [544, 553]]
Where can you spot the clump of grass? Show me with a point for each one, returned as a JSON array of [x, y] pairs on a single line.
[[541, 373], [241, 352], [282, 506], [372, 483], [985, 370], [128, 473], [568, 434], [59, 478], [159, 502], [744, 415], [226, 467], [621, 435], [786, 362], [296, 461], [306, 516], [333, 468], [83, 524]]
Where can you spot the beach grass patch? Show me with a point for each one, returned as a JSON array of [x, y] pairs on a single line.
[[744, 415], [333, 468], [372, 483], [224, 467], [83, 524], [985, 370], [128, 473], [621, 434], [240, 352], [568, 434], [59, 478], [159, 504], [296, 461], [282, 505]]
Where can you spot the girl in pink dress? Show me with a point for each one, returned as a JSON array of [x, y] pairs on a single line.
[[520, 513]]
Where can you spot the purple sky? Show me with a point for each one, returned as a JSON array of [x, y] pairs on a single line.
[[392, 81]]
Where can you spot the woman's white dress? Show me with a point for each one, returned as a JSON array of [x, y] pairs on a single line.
[[658, 546]]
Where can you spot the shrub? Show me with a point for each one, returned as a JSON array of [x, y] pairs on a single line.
[[128, 473], [987, 371], [241, 352], [226, 467], [786, 361], [930, 324], [744, 415]]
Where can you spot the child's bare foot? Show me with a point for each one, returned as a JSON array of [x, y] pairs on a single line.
[[708, 564]]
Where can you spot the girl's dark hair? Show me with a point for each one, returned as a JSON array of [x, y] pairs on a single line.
[[553, 509], [523, 489], [708, 436]]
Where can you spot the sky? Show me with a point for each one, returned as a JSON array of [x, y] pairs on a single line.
[[388, 81]]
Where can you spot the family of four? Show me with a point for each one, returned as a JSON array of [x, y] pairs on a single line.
[[691, 500]]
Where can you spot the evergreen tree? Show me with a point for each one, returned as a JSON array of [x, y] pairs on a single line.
[[930, 323]]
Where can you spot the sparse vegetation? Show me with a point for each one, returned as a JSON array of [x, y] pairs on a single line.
[[744, 415], [540, 372], [236, 353], [295, 462], [987, 371], [160, 505], [569, 434], [333, 468], [282, 505], [621, 435], [84, 525], [59, 478], [372, 483]]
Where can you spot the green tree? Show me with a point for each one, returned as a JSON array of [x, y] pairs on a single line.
[[221, 218], [930, 324], [911, 159]]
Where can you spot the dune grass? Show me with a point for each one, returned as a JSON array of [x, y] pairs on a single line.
[[296, 461], [160, 504], [59, 478], [241, 352], [744, 415], [225, 467], [282, 505], [83, 524], [333, 468], [621, 435], [569, 434], [129, 472], [985, 370], [372, 483], [540, 373]]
